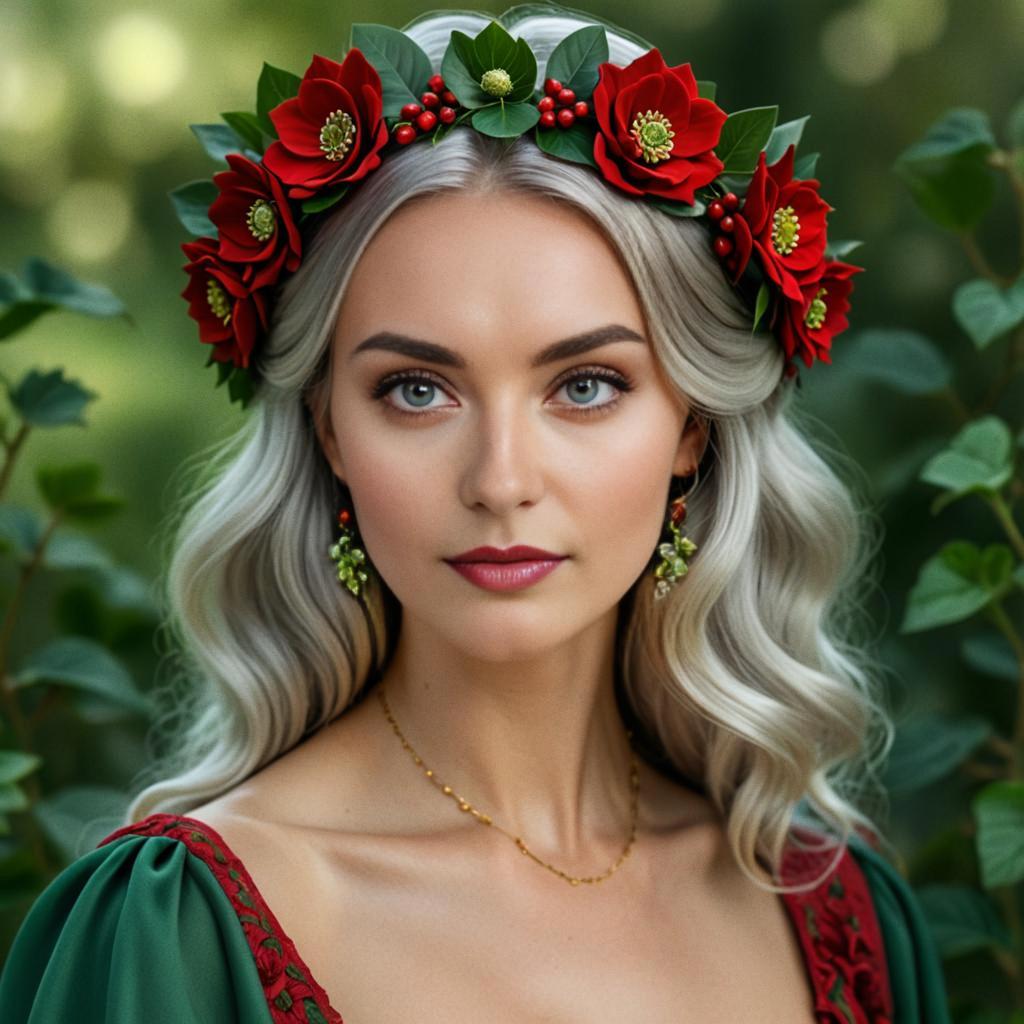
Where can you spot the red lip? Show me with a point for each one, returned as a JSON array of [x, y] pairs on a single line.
[[517, 553]]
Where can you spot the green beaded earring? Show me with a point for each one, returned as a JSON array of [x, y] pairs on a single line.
[[348, 556], [675, 554]]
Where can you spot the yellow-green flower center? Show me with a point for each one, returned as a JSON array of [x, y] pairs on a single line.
[[653, 134], [496, 82], [217, 300], [337, 134], [816, 310], [786, 230], [261, 220]]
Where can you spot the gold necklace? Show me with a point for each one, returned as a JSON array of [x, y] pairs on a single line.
[[484, 819]]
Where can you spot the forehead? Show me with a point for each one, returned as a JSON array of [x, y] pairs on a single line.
[[502, 265]]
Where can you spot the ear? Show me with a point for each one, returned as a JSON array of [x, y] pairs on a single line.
[[692, 443], [328, 442]]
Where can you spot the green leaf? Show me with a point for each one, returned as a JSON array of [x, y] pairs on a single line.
[[992, 655], [317, 204], [744, 135], [978, 459], [458, 76], [248, 128], [12, 798], [275, 85], [495, 48], [50, 399], [241, 387], [192, 203], [782, 136], [63, 485], [929, 746], [901, 359], [678, 209], [575, 143], [16, 764], [219, 139], [506, 120], [76, 818], [985, 311], [19, 316], [83, 665], [575, 60], [839, 249], [707, 90], [403, 67], [961, 919], [20, 529], [764, 295], [805, 166], [68, 550], [999, 813], [959, 130], [949, 588], [954, 191]]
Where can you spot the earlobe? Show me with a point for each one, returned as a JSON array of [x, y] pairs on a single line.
[[328, 444], [692, 443]]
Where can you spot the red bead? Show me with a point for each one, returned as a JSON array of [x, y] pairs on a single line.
[[723, 245], [449, 97], [716, 211], [404, 134], [565, 117], [580, 108], [547, 103], [547, 119], [730, 201], [726, 223], [343, 517], [447, 115], [678, 510], [410, 110], [566, 97], [552, 86], [436, 83], [430, 100], [426, 120]]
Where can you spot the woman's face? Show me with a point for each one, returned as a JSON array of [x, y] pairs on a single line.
[[475, 439]]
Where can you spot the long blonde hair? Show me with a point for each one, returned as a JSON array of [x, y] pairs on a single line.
[[752, 681]]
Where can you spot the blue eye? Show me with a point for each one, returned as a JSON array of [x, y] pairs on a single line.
[[418, 388]]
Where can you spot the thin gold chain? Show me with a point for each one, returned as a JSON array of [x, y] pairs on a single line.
[[484, 819]]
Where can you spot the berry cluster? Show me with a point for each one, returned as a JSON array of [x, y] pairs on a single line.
[[568, 107], [720, 212], [437, 104]]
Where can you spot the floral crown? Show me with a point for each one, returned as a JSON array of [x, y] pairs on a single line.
[[652, 131]]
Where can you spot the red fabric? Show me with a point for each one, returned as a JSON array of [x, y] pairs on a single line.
[[835, 922]]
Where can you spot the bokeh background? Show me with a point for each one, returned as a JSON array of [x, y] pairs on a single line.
[[96, 97]]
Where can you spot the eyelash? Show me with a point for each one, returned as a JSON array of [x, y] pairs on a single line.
[[620, 381]]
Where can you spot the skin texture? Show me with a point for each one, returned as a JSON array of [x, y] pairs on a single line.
[[404, 907]]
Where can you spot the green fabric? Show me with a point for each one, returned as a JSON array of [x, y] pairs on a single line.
[[915, 967], [137, 930]]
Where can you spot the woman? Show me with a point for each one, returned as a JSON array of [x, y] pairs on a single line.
[[482, 347]]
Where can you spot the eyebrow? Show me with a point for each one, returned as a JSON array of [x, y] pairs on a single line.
[[431, 352]]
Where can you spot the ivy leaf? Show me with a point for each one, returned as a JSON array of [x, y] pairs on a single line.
[[50, 399], [978, 459], [999, 813], [903, 360], [959, 130], [985, 311]]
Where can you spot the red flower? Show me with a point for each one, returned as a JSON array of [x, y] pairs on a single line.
[[655, 134], [254, 222], [231, 315], [331, 133], [784, 220], [808, 326]]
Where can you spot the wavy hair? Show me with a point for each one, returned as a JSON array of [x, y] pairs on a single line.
[[750, 682]]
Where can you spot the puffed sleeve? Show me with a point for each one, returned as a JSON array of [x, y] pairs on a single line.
[[915, 967], [136, 930]]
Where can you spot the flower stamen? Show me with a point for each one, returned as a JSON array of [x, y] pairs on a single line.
[[653, 134], [816, 311], [337, 135], [786, 230], [496, 82], [217, 300], [261, 220]]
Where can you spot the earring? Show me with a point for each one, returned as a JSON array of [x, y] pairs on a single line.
[[675, 554], [348, 556]]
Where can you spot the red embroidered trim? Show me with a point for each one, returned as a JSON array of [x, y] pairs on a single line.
[[841, 937], [292, 993]]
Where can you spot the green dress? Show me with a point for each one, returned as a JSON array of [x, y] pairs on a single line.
[[162, 924]]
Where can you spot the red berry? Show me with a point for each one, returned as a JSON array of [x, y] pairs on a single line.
[[449, 97], [343, 516], [435, 83], [547, 119], [566, 97], [426, 120], [552, 86], [726, 223], [723, 245], [565, 117], [547, 103], [447, 115], [410, 110], [730, 201], [580, 108], [430, 100], [716, 211], [404, 134]]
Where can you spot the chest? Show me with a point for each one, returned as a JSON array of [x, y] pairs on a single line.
[[447, 947]]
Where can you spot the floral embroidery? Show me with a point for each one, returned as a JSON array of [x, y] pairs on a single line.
[[840, 936], [292, 993]]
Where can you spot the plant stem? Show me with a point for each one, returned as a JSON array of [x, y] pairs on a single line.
[[12, 447], [1005, 517], [978, 260]]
